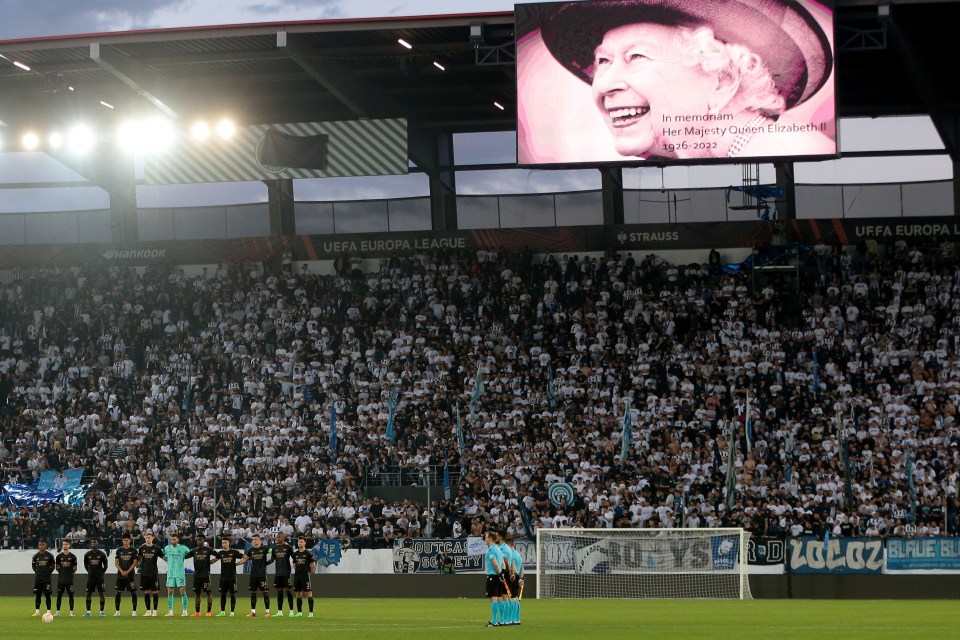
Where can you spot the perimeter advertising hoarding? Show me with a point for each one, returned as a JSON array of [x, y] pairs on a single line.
[[674, 81]]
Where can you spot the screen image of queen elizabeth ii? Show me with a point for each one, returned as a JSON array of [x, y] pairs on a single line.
[[674, 81]]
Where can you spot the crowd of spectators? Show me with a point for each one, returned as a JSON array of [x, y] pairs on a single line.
[[202, 402]]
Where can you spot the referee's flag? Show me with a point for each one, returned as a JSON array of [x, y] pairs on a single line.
[[333, 431]]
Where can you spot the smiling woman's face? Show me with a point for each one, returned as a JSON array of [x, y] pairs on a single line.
[[642, 82]]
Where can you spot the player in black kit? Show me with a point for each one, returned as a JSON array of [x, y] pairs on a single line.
[[126, 561], [229, 559], [66, 569], [203, 556], [259, 556], [42, 563], [95, 562], [150, 555], [303, 565], [281, 581]]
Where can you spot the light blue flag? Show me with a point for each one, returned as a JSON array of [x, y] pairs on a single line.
[[391, 414], [477, 390], [333, 431], [627, 440]]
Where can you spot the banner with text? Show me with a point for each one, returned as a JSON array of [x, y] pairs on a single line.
[[766, 551], [837, 555], [422, 555], [912, 554]]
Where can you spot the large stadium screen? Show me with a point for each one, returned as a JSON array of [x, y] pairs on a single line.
[[674, 81]]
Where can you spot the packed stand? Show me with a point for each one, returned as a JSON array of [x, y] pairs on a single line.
[[203, 404]]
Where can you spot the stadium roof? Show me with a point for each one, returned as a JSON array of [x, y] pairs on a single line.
[[356, 68]]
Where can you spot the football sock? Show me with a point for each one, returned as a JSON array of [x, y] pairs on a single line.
[[494, 609], [310, 603], [280, 602], [253, 603], [299, 605], [37, 607], [59, 600], [116, 599], [103, 602], [196, 604], [133, 597], [89, 599], [233, 603], [70, 597], [156, 601], [223, 602], [266, 602], [184, 601], [290, 600], [209, 603], [48, 601], [518, 611], [170, 601]]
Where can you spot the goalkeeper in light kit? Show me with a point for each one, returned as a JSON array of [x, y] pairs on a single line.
[[203, 556], [174, 553]]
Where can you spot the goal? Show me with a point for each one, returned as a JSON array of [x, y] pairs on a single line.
[[642, 563]]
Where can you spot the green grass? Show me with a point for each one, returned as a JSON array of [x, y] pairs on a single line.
[[552, 619]]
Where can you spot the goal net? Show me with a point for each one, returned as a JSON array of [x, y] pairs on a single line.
[[642, 563]]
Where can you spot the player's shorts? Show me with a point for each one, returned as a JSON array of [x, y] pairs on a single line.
[[176, 581], [228, 585], [258, 583], [94, 584], [126, 583], [42, 587], [514, 585], [301, 582], [64, 587], [201, 583], [149, 583], [281, 582], [493, 586]]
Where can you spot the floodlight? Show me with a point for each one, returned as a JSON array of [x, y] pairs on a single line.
[[200, 131], [226, 129], [30, 141], [80, 139]]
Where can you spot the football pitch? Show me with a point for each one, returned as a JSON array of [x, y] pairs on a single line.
[[464, 619]]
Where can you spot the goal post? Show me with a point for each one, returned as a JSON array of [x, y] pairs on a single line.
[[642, 563]]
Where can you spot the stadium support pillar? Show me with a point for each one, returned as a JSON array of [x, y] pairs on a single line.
[[787, 209], [432, 151], [280, 201], [956, 186], [611, 180], [122, 190]]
